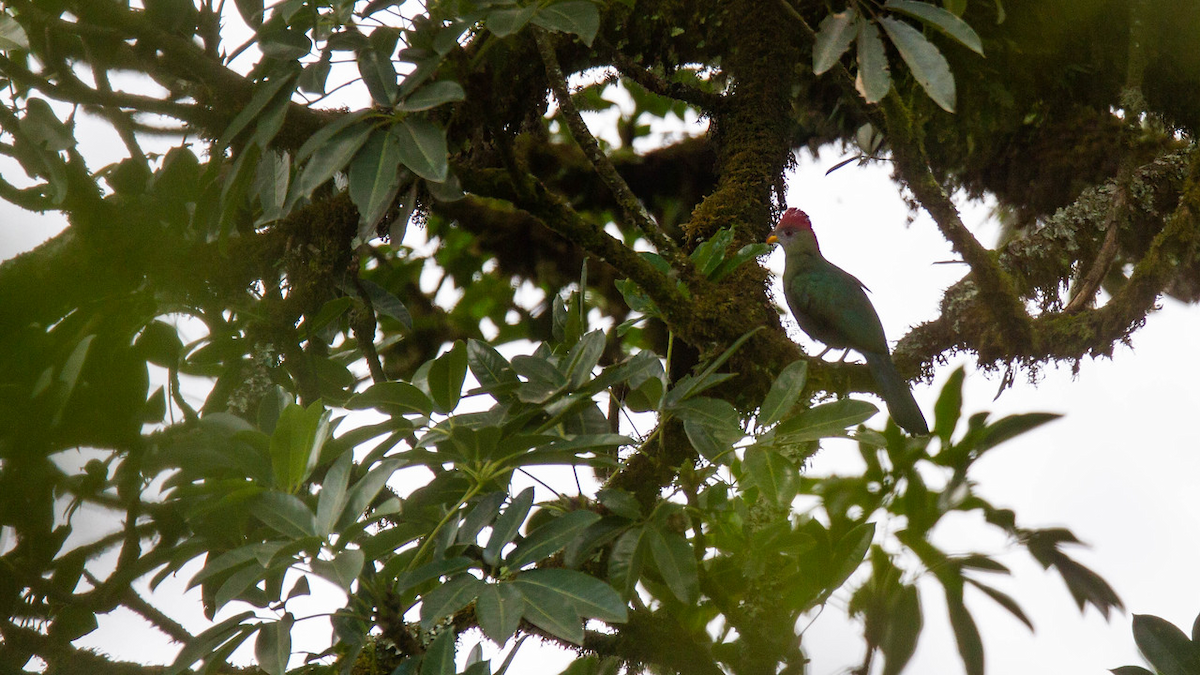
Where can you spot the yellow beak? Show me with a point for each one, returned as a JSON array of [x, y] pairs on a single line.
[[772, 239]]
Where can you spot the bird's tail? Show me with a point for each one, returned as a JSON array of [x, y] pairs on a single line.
[[895, 392]]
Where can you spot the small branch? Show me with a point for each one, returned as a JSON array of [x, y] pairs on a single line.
[[996, 287], [74, 91], [629, 202], [554, 212], [1084, 293], [171, 628], [663, 87]]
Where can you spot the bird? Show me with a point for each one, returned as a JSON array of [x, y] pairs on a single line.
[[831, 306]]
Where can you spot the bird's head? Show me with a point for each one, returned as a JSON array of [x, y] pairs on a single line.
[[794, 233]]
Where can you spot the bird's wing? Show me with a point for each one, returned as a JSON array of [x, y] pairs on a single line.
[[832, 306]]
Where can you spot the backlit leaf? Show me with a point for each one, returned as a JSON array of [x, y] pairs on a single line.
[[784, 392], [374, 180], [578, 17], [873, 80], [834, 36], [928, 66], [940, 19]]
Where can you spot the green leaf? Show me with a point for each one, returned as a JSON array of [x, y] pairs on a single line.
[[578, 17], [296, 443], [322, 136], [314, 76], [626, 559], [285, 45], [948, 409], [850, 551], [271, 91], [489, 367], [591, 598], [620, 502], [271, 184], [386, 303], [505, 22], [1165, 646], [785, 391], [12, 35], [874, 80], [710, 252], [834, 36], [903, 629], [216, 661], [364, 491], [235, 187], [775, 476], [44, 128], [432, 95], [550, 610], [499, 608], [332, 497], [423, 148], [966, 634], [583, 357], [206, 642], [483, 514], [375, 180], [507, 525], [299, 589], [691, 385], [675, 561], [1008, 427], [343, 569], [712, 425], [940, 19], [448, 598], [927, 64], [379, 75], [439, 658], [395, 398], [744, 255], [827, 419], [432, 570], [333, 156], [550, 538], [285, 513], [446, 377], [1004, 600], [251, 11], [273, 646]]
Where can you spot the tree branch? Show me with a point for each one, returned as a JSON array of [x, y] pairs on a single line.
[[997, 290], [630, 204]]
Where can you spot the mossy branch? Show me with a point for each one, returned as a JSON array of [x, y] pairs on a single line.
[[630, 204], [997, 290]]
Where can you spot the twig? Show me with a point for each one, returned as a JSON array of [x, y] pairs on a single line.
[[1084, 293], [629, 202]]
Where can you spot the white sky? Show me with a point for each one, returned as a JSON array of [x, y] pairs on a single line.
[[1119, 469]]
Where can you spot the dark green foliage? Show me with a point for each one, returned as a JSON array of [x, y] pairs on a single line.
[[242, 356]]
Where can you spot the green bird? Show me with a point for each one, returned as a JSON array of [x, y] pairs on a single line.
[[832, 306]]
